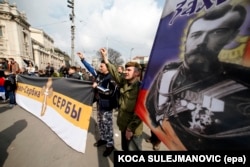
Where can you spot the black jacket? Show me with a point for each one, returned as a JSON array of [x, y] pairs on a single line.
[[106, 91], [10, 83]]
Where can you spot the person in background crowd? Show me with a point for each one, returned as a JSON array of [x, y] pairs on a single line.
[[2, 89], [85, 75], [105, 88], [49, 70], [13, 66], [72, 73], [91, 77], [3, 64], [10, 87], [36, 71], [128, 122], [120, 70], [64, 71], [41, 73], [79, 71], [31, 69], [23, 71]]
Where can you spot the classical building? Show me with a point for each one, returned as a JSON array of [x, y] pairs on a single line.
[[141, 59], [24, 43], [15, 40], [44, 51]]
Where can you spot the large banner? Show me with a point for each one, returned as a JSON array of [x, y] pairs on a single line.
[[65, 105], [195, 93]]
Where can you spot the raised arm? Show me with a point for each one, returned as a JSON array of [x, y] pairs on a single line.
[[87, 65], [112, 69]]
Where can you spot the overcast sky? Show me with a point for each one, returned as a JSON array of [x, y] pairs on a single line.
[[117, 24]]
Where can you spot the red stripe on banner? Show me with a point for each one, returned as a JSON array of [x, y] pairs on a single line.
[[169, 137], [140, 108]]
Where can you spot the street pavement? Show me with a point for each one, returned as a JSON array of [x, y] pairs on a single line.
[[25, 141]]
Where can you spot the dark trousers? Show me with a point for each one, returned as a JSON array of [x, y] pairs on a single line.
[[11, 95], [6, 95]]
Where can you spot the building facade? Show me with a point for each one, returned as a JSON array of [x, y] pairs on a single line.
[[141, 59], [24, 43], [15, 40], [44, 51]]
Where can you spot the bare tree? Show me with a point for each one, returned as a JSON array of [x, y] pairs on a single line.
[[113, 56]]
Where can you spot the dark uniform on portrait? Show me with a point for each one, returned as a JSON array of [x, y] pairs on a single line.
[[207, 102]]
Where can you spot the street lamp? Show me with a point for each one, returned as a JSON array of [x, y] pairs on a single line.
[[131, 53], [71, 18]]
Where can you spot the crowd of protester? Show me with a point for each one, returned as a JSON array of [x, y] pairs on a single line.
[[9, 69], [49, 71], [126, 80]]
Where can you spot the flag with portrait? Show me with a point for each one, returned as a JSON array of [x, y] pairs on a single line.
[[196, 89]]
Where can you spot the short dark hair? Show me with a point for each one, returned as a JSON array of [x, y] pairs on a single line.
[[73, 67], [103, 62]]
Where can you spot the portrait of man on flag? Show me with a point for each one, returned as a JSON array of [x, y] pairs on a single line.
[[198, 98]]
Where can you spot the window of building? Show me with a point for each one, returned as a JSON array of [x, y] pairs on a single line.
[[1, 31]]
